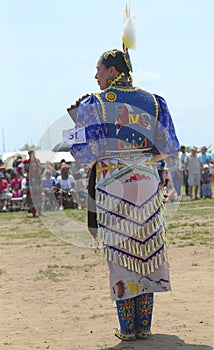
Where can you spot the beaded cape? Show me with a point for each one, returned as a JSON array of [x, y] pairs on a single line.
[[123, 129], [104, 117]]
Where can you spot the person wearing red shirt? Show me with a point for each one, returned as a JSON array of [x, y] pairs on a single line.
[[4, 198], [16, 186]]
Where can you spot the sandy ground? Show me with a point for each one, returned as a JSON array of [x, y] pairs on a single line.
[[56, 296]]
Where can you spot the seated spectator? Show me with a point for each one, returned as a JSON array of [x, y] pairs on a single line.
[[20, 169], [76, 168], [66, 186], [49, 190], [50, 167], [5, 195], [206, 178], [81, 186], [16, 186], [16, 163], [24, 189], [5, 174], [170, 194]]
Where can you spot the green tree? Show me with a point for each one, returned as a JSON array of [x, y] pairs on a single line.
[[28, 147]]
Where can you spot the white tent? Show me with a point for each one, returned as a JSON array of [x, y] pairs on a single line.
[[43, 156], [58, 156], [9, 157]]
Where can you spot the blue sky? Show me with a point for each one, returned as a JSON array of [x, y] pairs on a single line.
[[49, 50]]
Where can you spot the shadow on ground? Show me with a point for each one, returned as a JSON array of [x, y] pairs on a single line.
[[159, 342]]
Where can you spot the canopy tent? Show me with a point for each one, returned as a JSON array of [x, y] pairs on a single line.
[[62, 152], [9, 157], [61, 147], [58, 156], [43, 156], [54, 157]]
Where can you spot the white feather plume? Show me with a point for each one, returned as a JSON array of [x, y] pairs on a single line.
[[129, 29]]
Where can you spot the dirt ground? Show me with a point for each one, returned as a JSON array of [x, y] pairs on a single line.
[[56, 296]]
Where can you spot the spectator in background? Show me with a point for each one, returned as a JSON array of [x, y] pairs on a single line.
[[170, 194], [16, 163], [50, 167], [160, 167], [66, 186], [206, 158], [5, 195], [20, 169], [58, 167], [182, 157], [206, 178], [77, 168], [174, 173], [24, 189], [48, 180], [86, 174], [16, 186], [81, 175], [4, 173], [193, 166], [49, 190], [81, 188], [33, 168]]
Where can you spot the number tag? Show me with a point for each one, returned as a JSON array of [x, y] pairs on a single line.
[[71, 136]]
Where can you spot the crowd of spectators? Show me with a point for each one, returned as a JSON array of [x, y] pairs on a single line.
[[192, 171], [37, 187], [49, 186]]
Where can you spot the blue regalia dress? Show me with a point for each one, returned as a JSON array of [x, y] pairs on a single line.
[[121, 129]]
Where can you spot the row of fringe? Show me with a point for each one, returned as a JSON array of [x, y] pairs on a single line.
[[130, 246], [132, 237], [134, 264], [126, 209], [130, 228]]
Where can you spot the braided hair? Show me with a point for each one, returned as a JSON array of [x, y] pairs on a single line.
[[116, 59]]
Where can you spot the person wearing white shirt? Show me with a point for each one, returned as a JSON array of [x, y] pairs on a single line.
[[182, 157], [66, 185], [194, 166]]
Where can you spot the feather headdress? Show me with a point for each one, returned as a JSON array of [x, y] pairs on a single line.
[[129, 30]]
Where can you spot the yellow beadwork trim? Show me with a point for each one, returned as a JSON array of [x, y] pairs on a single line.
[[156, 107], [98, 95], [110, 52], [117, 79], [132, 89], [127, 150], [130, 79], [111, 167], [126, 337], [111, 96]]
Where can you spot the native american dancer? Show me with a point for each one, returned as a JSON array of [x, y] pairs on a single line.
[[123, 131]]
